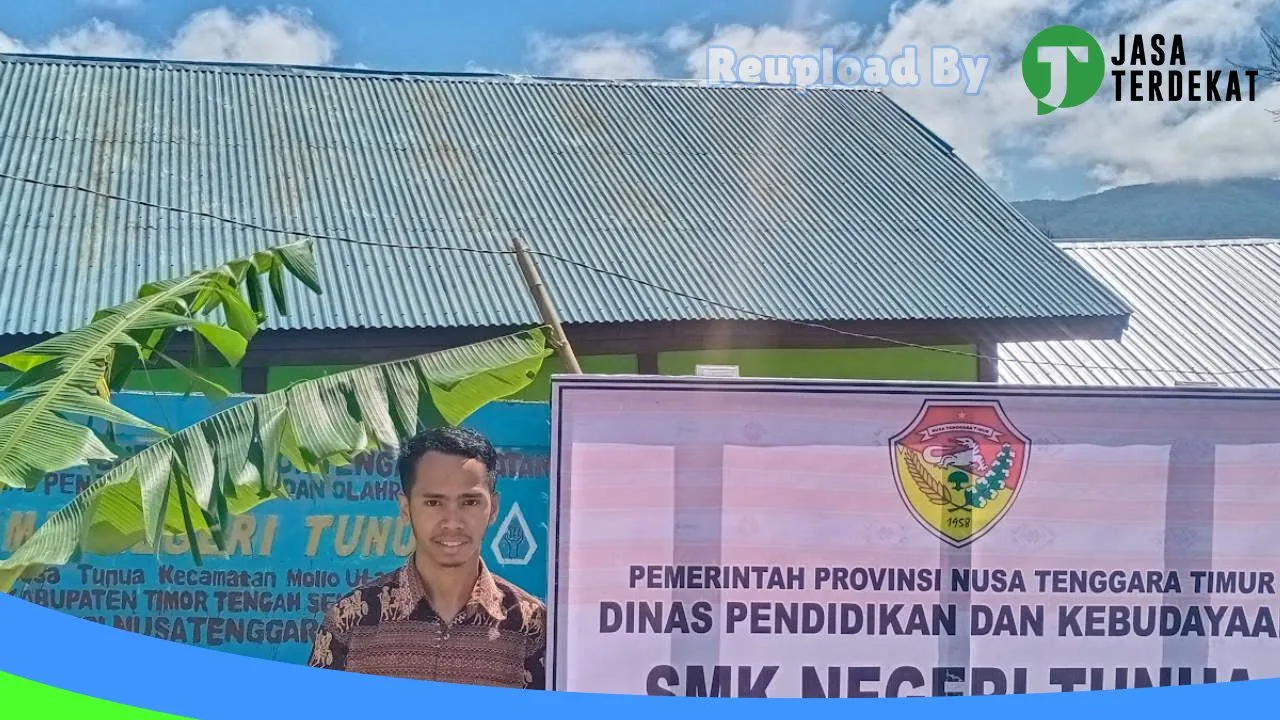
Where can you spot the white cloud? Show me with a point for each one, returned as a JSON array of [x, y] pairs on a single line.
[[287, 36], [97, 38], [474, 67], [11, 45], [1122, 143], [681, 38], [600, 55], [746, 40], [980, 127]]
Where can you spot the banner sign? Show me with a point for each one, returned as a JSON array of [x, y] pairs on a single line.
[[288, 559], [847, 539]]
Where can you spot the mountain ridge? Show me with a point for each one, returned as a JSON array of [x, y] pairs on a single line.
[[1224, 209]]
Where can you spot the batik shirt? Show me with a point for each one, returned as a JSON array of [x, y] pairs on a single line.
[[389, 627]]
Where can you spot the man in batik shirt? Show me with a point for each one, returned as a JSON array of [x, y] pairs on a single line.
[[443, 615]]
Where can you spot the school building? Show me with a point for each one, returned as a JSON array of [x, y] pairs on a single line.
[[645, 200]]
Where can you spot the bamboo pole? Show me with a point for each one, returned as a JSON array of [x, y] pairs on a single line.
[[546, 308]]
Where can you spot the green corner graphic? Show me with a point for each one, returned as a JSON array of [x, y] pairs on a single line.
[[20, 697], [1063, 66]]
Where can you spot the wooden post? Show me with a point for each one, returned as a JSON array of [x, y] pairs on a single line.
[[545, 307]]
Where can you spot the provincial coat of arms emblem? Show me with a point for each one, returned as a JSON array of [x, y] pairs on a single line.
[[959, 467]]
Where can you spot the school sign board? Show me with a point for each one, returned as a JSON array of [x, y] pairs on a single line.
[[289, 559], [850, 539]]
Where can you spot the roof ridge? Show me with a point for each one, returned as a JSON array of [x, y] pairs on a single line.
[[284, 69]]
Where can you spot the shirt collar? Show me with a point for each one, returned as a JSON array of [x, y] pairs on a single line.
[[485, 595]]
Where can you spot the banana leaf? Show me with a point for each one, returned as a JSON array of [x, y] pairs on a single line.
[[72, 375], [195, 480]]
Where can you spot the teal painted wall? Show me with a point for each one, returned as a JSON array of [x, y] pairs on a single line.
[[168, 381]]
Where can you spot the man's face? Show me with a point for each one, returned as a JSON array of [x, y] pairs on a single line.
[[449, 507]]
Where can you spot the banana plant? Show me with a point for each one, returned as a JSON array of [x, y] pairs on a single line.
[[73, 375], [194, 480]]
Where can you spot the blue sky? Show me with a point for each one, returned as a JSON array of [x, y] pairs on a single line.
[[425, 34], [1096, 146]]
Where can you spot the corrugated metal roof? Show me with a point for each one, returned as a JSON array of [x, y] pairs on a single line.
[[831, 205], [1204, 311]]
